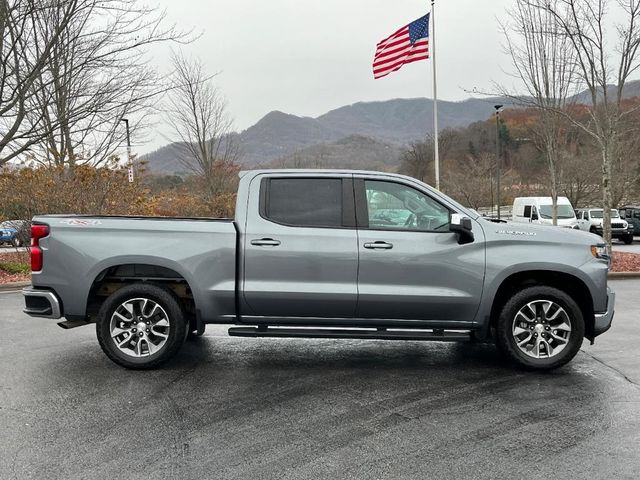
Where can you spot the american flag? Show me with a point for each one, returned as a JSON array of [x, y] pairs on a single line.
[[409, 44]]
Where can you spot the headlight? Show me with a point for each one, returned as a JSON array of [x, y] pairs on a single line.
[[600, 251]]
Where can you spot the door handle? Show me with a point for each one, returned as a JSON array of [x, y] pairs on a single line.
[[266, 242], [378, 245]]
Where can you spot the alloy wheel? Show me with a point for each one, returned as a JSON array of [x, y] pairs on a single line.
[[139, 327], [541, 329]]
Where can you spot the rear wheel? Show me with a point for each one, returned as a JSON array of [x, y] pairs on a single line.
[[540, 328], [141, 326]]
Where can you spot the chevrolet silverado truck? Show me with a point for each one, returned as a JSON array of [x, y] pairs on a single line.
[[323, 254]]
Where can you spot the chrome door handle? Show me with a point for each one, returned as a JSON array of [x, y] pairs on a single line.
[[378, 245], [266, 242]]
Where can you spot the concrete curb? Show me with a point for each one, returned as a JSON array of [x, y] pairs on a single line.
[[618, 275], [13, 286]]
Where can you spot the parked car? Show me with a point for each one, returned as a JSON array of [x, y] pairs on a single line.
[[539, 210], [318, 254], [591, 220], [15, 232], [632, 215]]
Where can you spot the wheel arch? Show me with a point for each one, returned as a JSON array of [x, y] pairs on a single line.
[[108, 277], [571, 284]]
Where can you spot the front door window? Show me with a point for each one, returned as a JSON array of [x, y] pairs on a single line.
[[393, 206]]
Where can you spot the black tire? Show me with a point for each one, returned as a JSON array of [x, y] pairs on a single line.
[[594, 231], [627, 239], [505, 338], [178, 326]]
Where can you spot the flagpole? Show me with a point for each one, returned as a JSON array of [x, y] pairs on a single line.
[[435, 96]]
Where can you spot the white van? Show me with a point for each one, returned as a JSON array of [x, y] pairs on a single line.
[[539, 210]]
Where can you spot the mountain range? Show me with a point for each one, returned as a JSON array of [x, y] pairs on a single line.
[[378, 130], [387, 125]]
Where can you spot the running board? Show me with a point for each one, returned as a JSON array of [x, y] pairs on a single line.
[[376, 334]]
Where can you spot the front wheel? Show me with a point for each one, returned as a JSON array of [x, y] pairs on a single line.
[[141, 326], [627, 239], [540, 328]]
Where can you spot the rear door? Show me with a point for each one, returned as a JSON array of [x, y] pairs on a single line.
[[411, 265], [300, 247]]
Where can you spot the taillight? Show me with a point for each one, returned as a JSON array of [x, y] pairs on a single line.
[[37, 232]]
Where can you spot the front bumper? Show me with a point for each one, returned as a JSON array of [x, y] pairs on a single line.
[[616, 232], [603, 321], [41, 303]]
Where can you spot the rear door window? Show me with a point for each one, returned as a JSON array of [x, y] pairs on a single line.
[[304, 202]]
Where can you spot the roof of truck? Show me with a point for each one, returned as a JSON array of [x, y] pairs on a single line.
[[327, 171]]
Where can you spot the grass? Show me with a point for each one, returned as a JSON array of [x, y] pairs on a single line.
[[15, 267]]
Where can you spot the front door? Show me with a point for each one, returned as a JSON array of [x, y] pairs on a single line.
[[411, 265], [300, 248]]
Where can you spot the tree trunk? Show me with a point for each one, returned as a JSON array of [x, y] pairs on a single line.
[[607, 203]]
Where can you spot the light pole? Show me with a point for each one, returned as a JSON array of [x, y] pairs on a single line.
[[498, 159], [129, 159]]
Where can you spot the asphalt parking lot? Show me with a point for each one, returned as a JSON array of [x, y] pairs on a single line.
[[265, 408]]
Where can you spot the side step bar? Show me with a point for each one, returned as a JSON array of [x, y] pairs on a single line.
[[377, 334]]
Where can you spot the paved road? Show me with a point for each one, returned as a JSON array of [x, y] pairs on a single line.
[[311, 409], [621, 247]]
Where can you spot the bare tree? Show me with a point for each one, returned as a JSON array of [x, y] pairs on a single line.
[[604, 56], [21, 66], [543, 59], [471, 180], [580, 178], [417, 160], [200, 122], [98, 73]]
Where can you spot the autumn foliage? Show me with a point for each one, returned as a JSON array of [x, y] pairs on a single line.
[[27, 192]]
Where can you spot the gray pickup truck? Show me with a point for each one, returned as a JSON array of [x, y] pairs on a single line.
[[323, 254]]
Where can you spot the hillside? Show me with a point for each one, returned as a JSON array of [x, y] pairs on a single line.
[[391, 124], [395, 123], [355, 151]]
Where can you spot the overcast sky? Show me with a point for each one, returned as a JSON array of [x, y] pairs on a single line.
[[307, 58]]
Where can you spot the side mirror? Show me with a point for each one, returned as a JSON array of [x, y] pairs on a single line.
[[534, 216], [461, 226]]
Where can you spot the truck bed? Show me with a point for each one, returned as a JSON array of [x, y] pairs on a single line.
[[202, 251]]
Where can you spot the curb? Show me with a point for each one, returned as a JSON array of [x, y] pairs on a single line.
[[13, 286], [619, 275]]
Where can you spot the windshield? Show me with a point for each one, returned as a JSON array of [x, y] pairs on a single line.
[[598, 213], [564, 211]]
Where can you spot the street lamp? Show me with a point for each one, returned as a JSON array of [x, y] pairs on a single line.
[[498, 159], [129, 159]]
